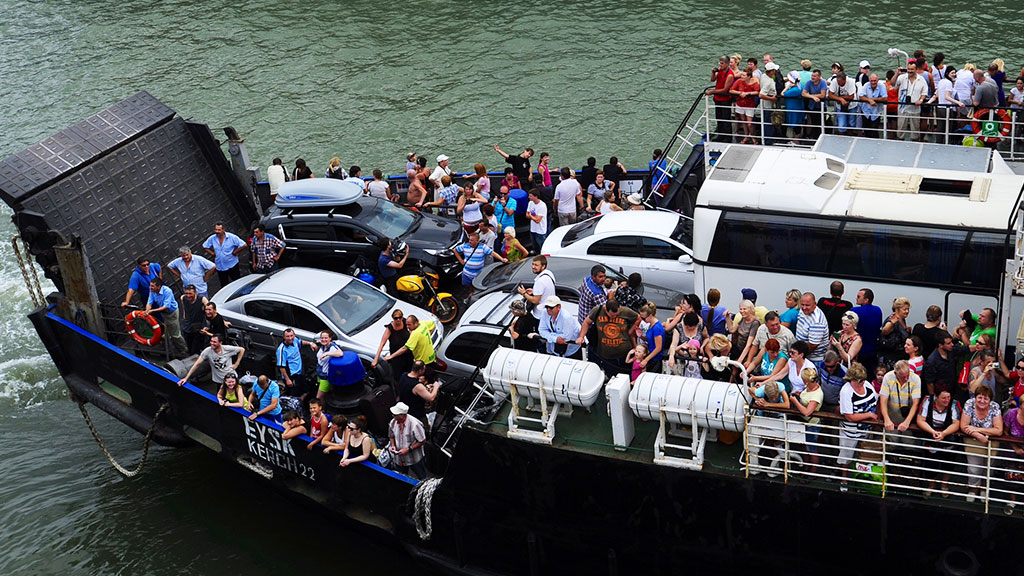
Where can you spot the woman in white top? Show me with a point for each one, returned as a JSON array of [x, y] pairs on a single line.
[[797, 362], [946, 97], [608, 203]]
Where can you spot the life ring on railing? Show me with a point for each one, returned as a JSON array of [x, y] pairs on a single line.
[[129, 325], [983, 125]]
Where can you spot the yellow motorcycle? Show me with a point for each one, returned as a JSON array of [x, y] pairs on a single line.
[[421, 290]]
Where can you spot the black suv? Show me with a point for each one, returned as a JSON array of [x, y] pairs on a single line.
[[337, 237]]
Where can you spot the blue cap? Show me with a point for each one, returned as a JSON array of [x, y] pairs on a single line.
[[749, 294]]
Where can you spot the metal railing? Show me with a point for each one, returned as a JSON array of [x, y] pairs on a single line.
[[884, 463]]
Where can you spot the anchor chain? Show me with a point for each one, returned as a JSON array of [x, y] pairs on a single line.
[[31, 280], [423, 500], [145, 442]]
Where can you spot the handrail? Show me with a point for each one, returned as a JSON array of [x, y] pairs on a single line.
[[675, 136]]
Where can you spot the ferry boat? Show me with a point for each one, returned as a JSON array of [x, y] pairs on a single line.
[[582, 475]]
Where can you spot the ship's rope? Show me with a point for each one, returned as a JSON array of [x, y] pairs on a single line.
[[424, 499], [31, 279], [145, 442]]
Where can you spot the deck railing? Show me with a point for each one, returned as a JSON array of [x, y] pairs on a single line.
[[884, 463]]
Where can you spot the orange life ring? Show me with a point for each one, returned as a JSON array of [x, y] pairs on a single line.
[[1001, 117], [129, 325]]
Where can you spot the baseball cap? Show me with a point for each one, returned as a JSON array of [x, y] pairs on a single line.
[[771, 66], [441, 158], [865, 64], [552, 301]]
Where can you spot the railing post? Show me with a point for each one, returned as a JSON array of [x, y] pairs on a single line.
[[746, 442], [988, 473], [785, 444], [885, 121]]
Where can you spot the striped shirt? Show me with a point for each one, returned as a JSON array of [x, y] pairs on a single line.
[[813, 329], [852, 403], [474, 258]]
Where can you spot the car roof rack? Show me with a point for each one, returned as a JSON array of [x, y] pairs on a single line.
[[317, 192]]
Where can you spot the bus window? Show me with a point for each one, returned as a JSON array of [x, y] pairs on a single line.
[[983, 260], [773, 241], [898, 252]]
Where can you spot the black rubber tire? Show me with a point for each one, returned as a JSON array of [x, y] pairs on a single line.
[[446, 309]]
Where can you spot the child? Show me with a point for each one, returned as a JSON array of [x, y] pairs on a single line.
[[510, 179], [293, 425], [319, 423], [635, 356], [337, 435], [880, 372]]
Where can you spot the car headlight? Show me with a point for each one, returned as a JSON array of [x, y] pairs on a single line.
[[442, 253]]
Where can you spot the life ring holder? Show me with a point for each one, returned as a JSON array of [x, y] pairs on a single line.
[[129, 326], [982, 115]]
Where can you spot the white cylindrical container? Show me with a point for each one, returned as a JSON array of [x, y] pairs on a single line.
[[564, 380], [718, 405]]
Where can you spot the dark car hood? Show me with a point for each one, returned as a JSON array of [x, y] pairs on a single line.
[[434, 233]]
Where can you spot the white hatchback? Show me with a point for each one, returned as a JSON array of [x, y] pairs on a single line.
[[651, 242]]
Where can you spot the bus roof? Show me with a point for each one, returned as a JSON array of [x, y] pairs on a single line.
[[867, 178]]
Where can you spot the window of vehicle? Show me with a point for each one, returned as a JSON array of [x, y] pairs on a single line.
[[248, 288], [356, 306], [307, 232], [581, 230], [619, 246], [269, 310], [305, 319], [470, 347], [983, 260], [659, 249], [773, 241], [899, 252], [684, 231], [389, 220]]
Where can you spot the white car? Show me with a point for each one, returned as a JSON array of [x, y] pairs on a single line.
[[651, 242]]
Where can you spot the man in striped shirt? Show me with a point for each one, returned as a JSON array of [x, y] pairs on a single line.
[[857, 402], [812, 327], [471, 255]]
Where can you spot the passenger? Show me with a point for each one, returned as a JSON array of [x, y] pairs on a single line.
[[635, 201], [223, 359], [216, 325], [982, 419], [769, 395], [469, 205], [796, 364], [592, 292], [193, 319], [161, 301], [774, 366], [899, 396], [359, 446], [417, 193], [1013, 426], [973, 326], [194, 270], [714, 316], [142, 274], [487, 235], [834, 307], [872, 102], [983, 374], [742, 328], [807, 402], [293, 425], [928, 331], [794, 103], [915, 358], [945, 95], [770, 94], [656, 341], [416, 393], [289, 364], [472, 255], [997, 74], [893, 336], [771, 329], [410, 161], [939, 418], [423, 177], [722, 76], [266, 250], [276, 175], [396, 334], [857, 403], [815, 93], [520, 164], [334, 169], [355, 176], [512, 249], [843, 91], [880, 373], [789, 316], [481, 180], [265, 398], [588, 173], [505, 210], [759, 311], [687, 338], [568, 198], [407, 436], [537, 212], [560, 330], [597, 190], [543, 285], [635, 360], [847, 343], [745, 89], [419, 344], [379, 188], [328, 349], [387, 267], [224, 247], [301, 171], [442, 170], [943, 366], [628, 294], [831, 376], [812, 327], [510, 180], [912, 91], [523, 328], [613, 328], [868, 326], [319, 423], [447, 194], [337, 435], [608, 204], [613, 173], [230, 394], [986, 91], [716, 346]]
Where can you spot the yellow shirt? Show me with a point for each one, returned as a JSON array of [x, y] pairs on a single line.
[[420, 345]]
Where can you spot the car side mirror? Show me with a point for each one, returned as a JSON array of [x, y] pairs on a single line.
[[686, 259]]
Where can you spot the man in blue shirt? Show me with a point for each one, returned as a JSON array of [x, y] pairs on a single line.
[[560, 330], [869, 327], [142, 274], [388, 267], [194, 270], [815, 95], [265, 398], [161, 299], [224, 247], [504, 210], [289, 363]]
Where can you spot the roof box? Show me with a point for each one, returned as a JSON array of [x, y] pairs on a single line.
[[317, 192]]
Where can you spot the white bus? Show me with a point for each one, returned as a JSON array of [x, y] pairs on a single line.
[[933, 223]]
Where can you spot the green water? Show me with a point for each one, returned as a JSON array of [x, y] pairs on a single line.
[[368, 82]]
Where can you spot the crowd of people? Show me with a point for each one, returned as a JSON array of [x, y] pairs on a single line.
[[923, 100]]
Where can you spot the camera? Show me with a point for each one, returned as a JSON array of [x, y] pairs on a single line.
[[995, 365]]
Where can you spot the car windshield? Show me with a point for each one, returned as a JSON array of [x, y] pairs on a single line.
[[581, 230], [356, 306], [248, 288], [684, 232], [389, 220]]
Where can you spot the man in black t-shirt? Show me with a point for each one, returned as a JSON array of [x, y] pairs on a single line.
[[835, 307], [217, 325], [520, 165]]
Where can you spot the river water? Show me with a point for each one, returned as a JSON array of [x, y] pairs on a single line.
[[369, 82]]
